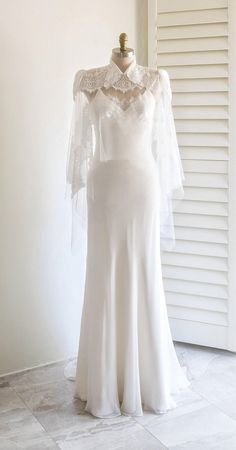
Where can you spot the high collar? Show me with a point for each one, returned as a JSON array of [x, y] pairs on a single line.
[[114, 73], [128, 71]]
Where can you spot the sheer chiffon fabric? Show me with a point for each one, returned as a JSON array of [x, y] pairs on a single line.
[[86, 139], [125, 175]]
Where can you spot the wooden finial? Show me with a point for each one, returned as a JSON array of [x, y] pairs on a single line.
[[123, 39]]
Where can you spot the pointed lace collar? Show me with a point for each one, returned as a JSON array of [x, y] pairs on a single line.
[[114, 73], [112, 76]]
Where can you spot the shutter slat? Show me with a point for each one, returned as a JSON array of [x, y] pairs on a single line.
[[190, 17], [197, 71], [189, 287], [203, 44], [201, 221], [192, 31], [193, 274], [200, 248], [193, 58], [204, 126], [204, 139], [200, 98], [205, 166], [213, 180], [201, 234], [208, 112], [220, 153], [183, 5], [197, 262], [212, 317], [205, 194], [208, 208], [197, 301], [200, 85]]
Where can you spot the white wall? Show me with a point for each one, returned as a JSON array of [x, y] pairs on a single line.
[[43, 44]]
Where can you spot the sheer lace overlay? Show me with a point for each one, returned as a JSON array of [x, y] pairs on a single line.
[[123, 99], [134, 104]]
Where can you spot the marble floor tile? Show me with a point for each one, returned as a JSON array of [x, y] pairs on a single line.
[[20, 429], [227, 404], [187, 402], [119, 435], [9, 400], [218, 384], [15, 443], [204, 423], [58, 412], [68, 418], [219, 380], [40, 375], [196, 358], [3, 383], [47, 396], [218, 441]]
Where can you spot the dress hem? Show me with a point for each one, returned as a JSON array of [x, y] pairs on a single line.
[[145, 410]]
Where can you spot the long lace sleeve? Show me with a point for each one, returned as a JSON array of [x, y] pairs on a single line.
[[79, 156], [166, 153]]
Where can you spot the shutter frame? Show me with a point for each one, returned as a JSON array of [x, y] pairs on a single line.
[[195, 44]]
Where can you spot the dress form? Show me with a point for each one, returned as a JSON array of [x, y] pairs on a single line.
[[122, 56]]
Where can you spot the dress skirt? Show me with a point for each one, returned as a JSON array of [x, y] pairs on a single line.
[[126, 360]]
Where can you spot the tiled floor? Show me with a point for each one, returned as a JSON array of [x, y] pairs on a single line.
[[37, 411]]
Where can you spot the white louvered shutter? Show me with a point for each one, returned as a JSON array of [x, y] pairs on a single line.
[[190, 40]]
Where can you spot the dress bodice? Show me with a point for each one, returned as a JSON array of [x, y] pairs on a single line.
[[122, 133], [125, 115]]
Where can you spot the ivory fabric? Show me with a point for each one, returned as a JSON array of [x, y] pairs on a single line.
[[125, 177]]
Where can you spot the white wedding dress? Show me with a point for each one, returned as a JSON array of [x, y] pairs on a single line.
[[125, 177]]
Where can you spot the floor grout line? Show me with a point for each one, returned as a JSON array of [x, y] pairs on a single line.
[[143, 426], [216, 406], [33, 415]]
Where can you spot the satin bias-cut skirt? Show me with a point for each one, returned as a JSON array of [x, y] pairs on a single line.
[[126, 360]]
